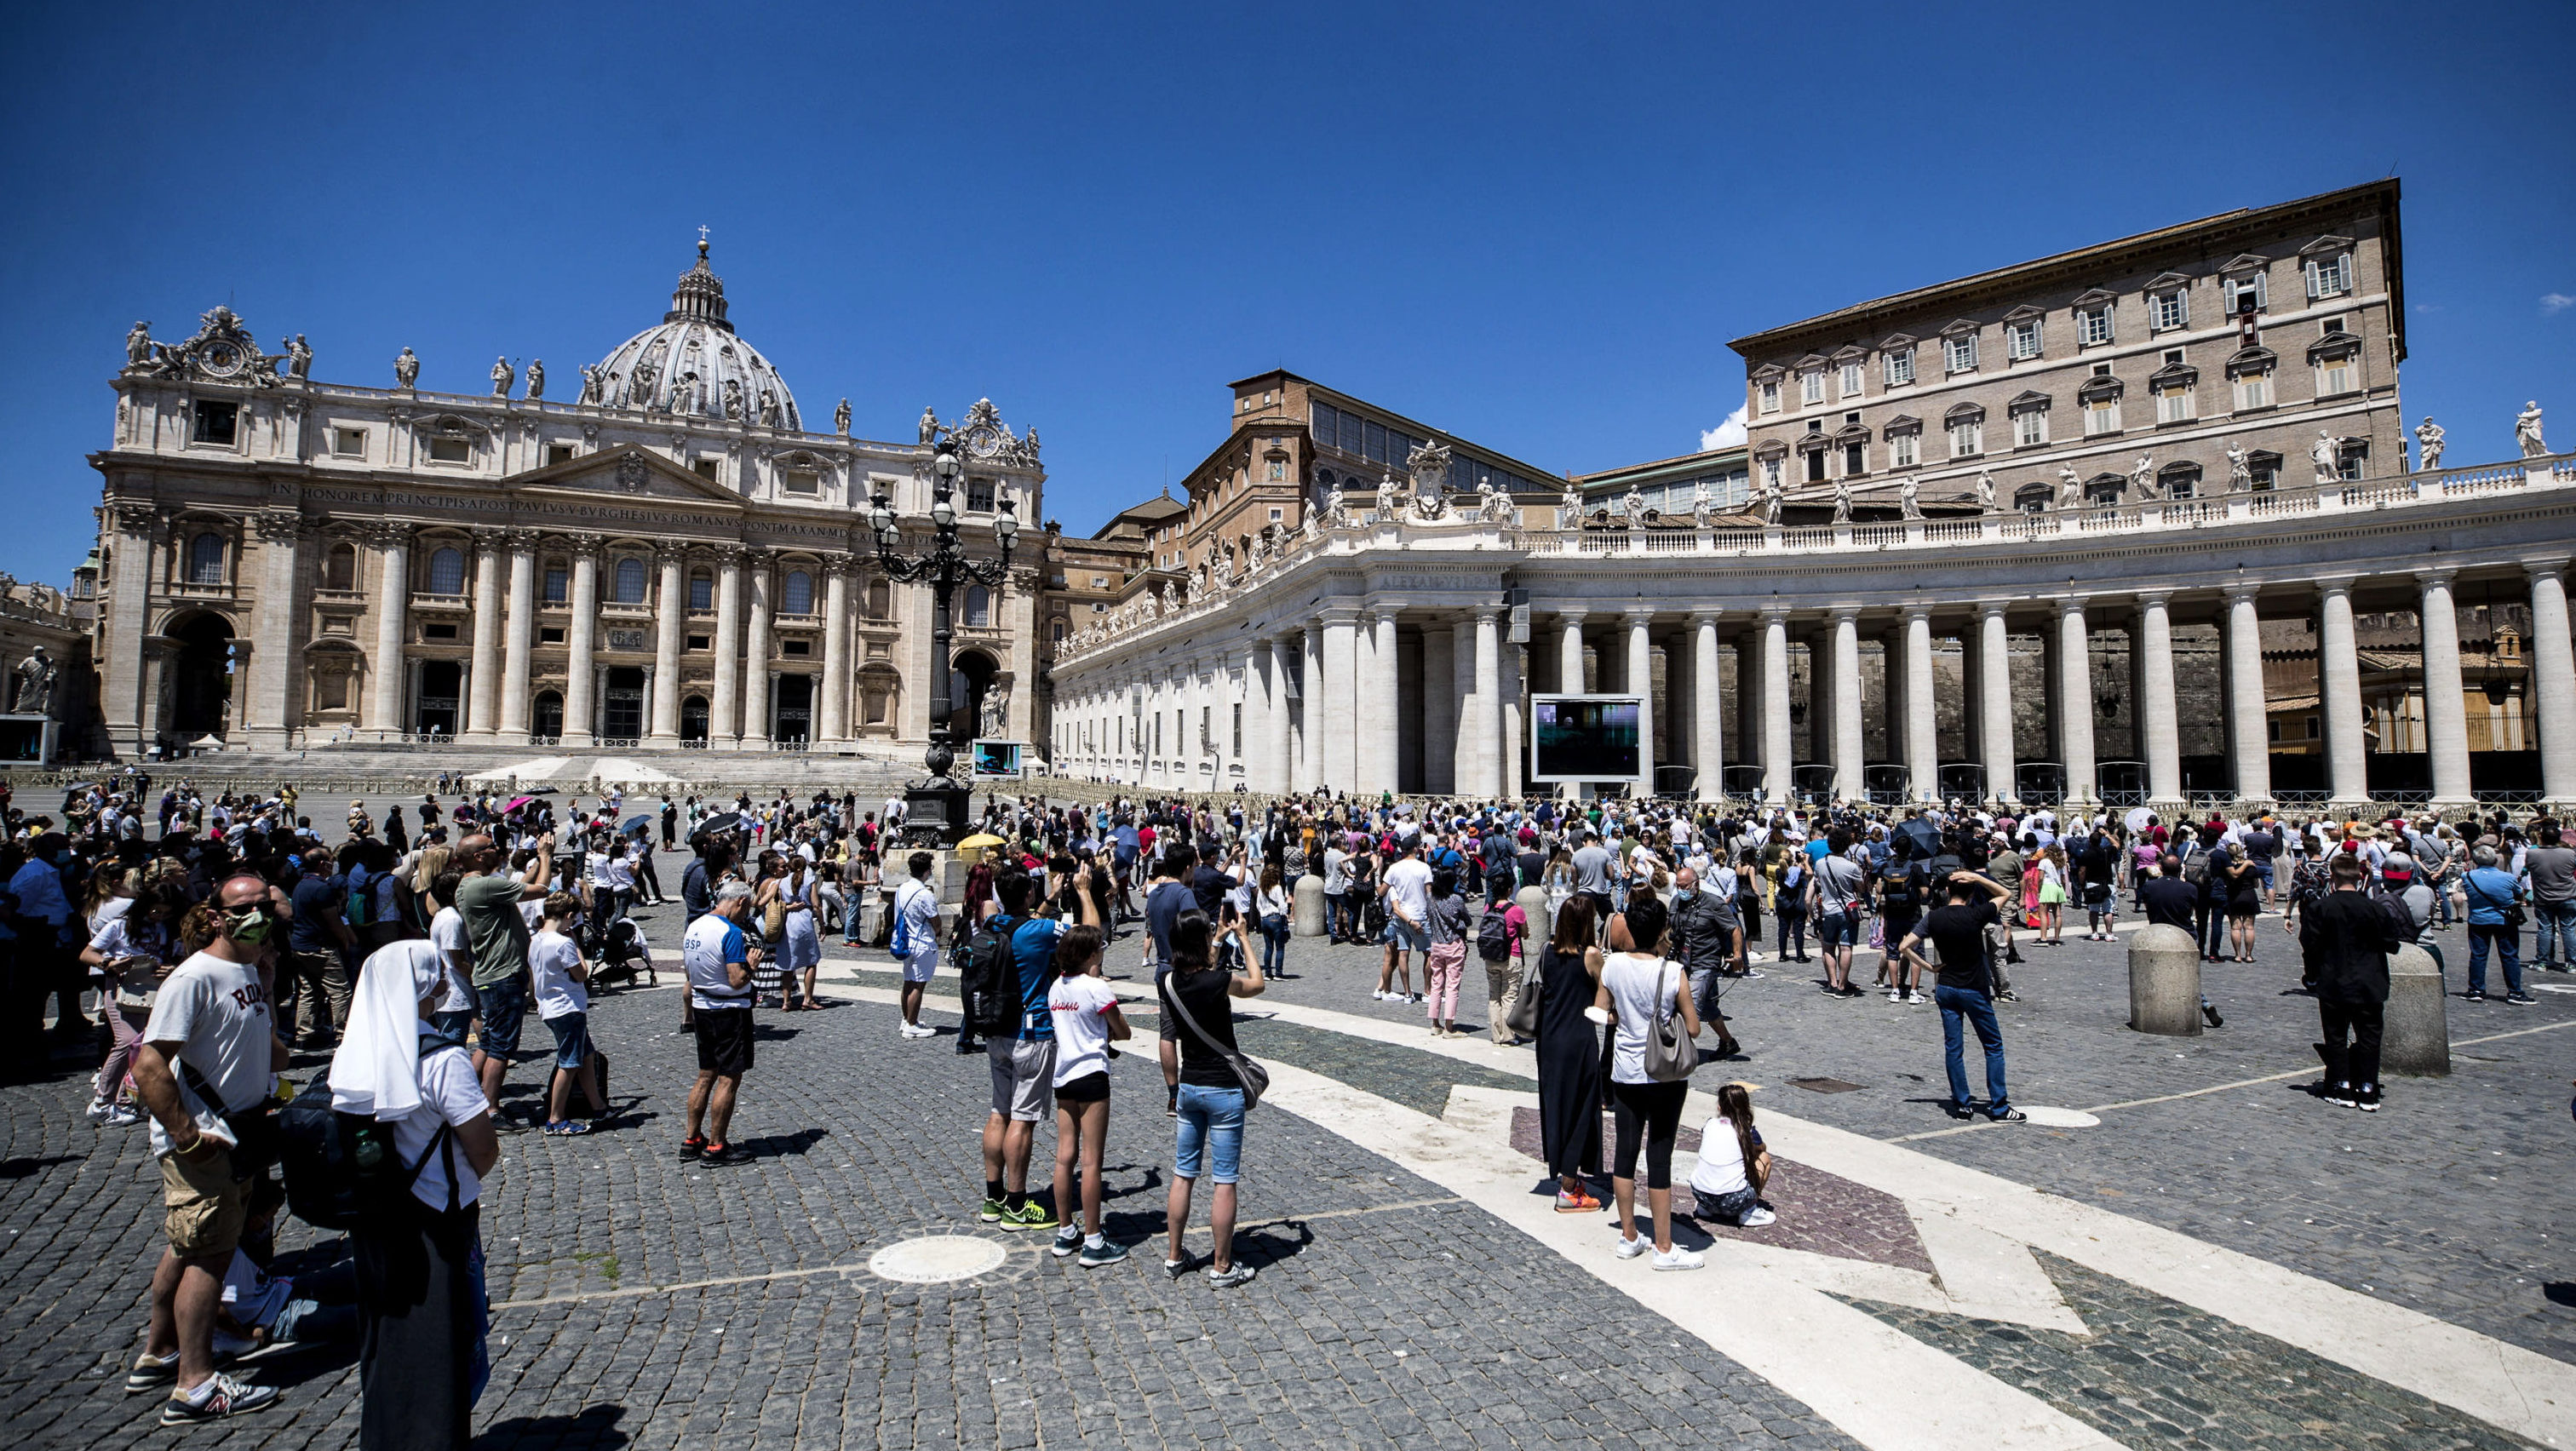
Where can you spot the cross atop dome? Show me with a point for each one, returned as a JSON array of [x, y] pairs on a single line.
[[700, 294]]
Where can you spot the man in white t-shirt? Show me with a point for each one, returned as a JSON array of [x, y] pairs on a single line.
[[915, 939], [209, 1056], [456, 988], [1407, 891], [560, 980], [719, 959]]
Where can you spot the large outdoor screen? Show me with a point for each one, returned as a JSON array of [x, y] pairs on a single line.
[[1583, 738]]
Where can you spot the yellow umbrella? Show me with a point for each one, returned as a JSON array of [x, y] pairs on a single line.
[[979, 841]]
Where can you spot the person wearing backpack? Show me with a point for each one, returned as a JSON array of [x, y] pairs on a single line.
[[914, 941], [1499, 939], [1012, 965], [1445, 963], [1899, 898], [422, 1302]]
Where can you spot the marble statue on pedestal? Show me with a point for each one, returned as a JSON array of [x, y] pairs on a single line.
[[2142, 478], [929, 425], [2526, 430], [1907, 498], [1985, 491], [2070, 488], [502, 377], [2321, 454], [536, 379], [1842, 501], [138, 345], [2240, 473], [31, 685], [841, 418], [406, 369], [2429, 441], [590, 384]]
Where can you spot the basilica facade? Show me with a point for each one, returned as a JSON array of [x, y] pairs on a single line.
[[673, 557]]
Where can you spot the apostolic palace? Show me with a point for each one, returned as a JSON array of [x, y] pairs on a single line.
[[2141, 522]]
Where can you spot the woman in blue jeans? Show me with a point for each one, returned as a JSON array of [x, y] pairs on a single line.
[[2492, 892], [1210, 1106], [1273, 905]]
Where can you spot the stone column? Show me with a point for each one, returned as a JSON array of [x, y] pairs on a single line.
[[1336, 723], [2248, 742], [1849, 745], [1257, 758], [126, 701], [483, 690], [1377, 715], [1485, 723], [1922, 720], [2159, 718], [1748, 697], [2075, 700], [2339, 689], [1278, 759], [1640, 682], [581, 643], [1311, 733], [267, 707], [521, 639], [724, 704], [2553, 682], [670, 617], [2446, 717], [1569, 673], [1464, 738], [755, 652], [1514, 730], [1779, 758], [1443, 729], [393, 602], [834, 712], [1994, 700], [1707, 736]]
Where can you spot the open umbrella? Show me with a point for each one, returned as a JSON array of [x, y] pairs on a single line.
[[636, 826], [1920, 836], [516, 802], [721, 821], [979, 841], [2138, 818]]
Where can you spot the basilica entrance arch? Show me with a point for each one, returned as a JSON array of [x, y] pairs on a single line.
[[201, 677], [970, 679]]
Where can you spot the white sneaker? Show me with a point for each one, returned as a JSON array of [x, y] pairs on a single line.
[[1629, 1249], [1914, 997], [1757, 1216], [99, 1109], [122, 1116], [1678, 1258], [1894, 996]]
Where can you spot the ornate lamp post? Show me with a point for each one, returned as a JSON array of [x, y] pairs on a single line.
[[935, 807]]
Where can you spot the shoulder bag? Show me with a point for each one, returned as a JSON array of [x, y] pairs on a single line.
[[1254, 1078], [1671, 1054], [1522, 1020]]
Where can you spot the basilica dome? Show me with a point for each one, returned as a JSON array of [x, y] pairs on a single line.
[[693, 364]]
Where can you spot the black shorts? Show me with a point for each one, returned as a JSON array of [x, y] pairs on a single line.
[[724, 1041], [1091, 1087]]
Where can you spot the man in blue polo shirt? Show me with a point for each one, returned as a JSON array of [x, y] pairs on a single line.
[[1023, 1064]]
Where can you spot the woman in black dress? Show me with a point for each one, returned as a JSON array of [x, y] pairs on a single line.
[[1569, 1056]]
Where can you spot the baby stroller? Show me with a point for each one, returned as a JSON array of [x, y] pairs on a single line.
[[623, 956]]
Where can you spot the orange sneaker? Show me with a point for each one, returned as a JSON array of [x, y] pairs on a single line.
[[1576, 1201]]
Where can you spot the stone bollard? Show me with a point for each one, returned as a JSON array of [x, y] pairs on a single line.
[[2416, 1028], [1533, 904], [2164, 982], [1306, 912]]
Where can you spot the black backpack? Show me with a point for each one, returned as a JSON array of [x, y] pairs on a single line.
[[340, 1168], [1494, 936], [992, 977], [1896, 885]]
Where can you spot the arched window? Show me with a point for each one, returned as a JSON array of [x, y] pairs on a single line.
[[340, 567], [693, 718], [447, 572], [630, 581], [880, 599], [797, 598], [206, 558], [702, 590], [1060, 631], [979, 605]]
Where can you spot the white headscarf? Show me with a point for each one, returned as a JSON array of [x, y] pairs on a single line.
[[377, 1070]]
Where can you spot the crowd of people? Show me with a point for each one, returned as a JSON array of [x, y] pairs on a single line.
[[199, 958]]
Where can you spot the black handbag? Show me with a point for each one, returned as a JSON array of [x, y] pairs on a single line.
[[1254, 1078]]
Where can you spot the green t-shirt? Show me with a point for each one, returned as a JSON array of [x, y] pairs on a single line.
[[493, 927]]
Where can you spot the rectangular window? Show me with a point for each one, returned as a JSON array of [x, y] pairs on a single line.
[[1278, 515], [2173, 403], [215, 422], [700, 642], [1811, 387], [2330, 276], [558, 584], [1851, 380], [2239, 288], [979, 495], [2021, 339], [1855, 459], [349, 442], [2253, 390], [1771, 397], [2102, 415], [1238, 729], [550, 634], [2030, 427], [795, 647], [1900, 367], [450, 451], [1967, 438], [1815, 466], [1901, 451], [2351, 458], [2335, 375], [1771, 473], [705, 468], [2093, 324], [1961, 353], [2172, 310], [800, 481], [438, 632], [558, 453]]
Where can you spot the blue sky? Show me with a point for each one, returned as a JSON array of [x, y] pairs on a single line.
[[1532, 226]]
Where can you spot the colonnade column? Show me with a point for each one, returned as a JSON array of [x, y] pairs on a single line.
[[581, 640], [1922, 724], [1778, 756], [2249, 742], [1640, 682], [1330, 716], [1257, 759], [2159, 721], [2446, 717], [1311, 763], [1508, 747], [521, 639], [670, 616], [1376, 713], [755, 653], [2339, 686], [1707, 734], [724, 715], [2553, 682], [1278, 765], [1485, 715], [393, 600], [1849, 749], [483, 693], [1569, 672], [2075, 700], [835, 725], [1444, 725], [1994, 701]]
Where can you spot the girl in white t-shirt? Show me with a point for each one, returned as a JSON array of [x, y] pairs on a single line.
[[1730, 1151], [1087, 1021], [561, 983]]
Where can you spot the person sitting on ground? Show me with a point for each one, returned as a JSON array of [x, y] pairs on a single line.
[[1727, 1185]]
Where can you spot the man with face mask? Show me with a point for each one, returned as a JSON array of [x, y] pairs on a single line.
[[1709, 934], [209, 1055]]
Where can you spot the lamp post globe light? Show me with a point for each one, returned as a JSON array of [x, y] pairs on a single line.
[[935, 807]]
